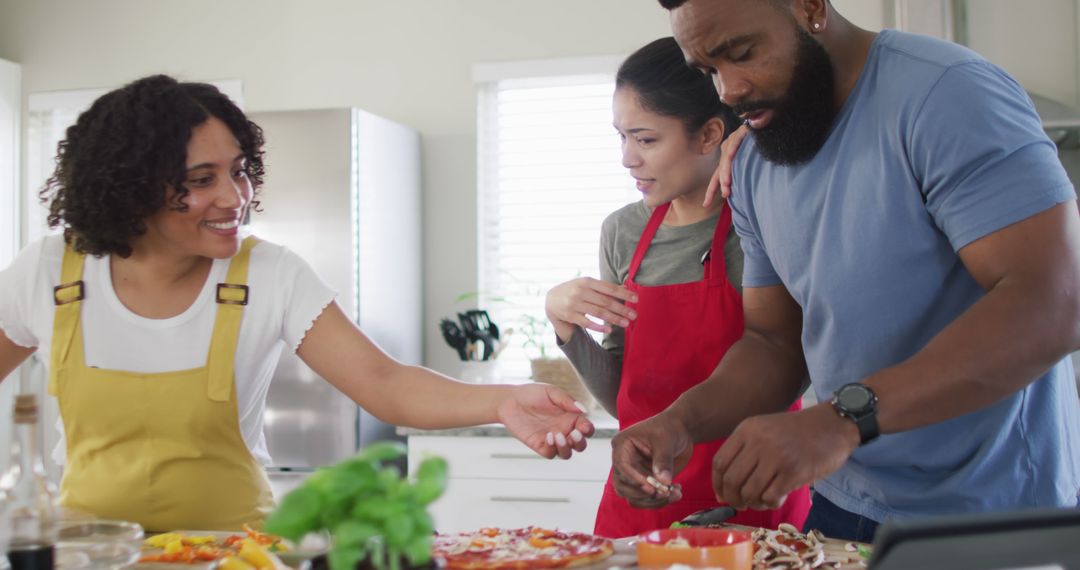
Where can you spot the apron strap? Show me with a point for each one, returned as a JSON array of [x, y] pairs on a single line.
[[231, 297], [655, 220], [715, 268], [67, 296]]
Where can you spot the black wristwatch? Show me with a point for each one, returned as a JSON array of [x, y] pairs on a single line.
[[858, 403]]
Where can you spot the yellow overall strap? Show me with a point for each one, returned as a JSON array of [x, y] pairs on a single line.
[[231, 297], [67, 296]]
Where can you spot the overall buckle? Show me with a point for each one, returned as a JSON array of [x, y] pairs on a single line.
[[64, 287], [229, 294]]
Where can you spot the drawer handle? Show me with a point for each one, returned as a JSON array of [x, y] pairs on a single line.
[[515, 456], [530, 500]]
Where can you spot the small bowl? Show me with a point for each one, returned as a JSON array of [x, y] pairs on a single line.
[[96, 531], [696, 547], [91, 556]]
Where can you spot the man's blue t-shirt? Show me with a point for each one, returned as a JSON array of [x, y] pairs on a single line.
[[934, 149]]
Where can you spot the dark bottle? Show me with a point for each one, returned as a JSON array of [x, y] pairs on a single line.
[[29, 498]]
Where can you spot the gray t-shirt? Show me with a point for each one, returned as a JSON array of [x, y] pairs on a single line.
[[674, 256]]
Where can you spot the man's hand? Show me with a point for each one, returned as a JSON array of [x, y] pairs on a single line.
[[769, 456], [546, 419], [656, 448], [721, 179]]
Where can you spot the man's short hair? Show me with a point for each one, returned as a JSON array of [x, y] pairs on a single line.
[[672, 4]]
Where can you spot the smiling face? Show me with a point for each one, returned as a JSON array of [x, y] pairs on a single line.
[[206, 221], [767, 67], [666, 161]]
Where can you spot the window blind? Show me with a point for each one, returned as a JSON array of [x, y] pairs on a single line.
[[549, 173]]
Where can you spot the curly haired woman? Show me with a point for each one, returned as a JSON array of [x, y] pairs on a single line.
[[162, 323]]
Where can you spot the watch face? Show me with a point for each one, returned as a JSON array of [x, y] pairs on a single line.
[[854, 397]]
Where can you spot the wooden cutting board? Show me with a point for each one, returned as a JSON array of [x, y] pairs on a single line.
[[626, 557]]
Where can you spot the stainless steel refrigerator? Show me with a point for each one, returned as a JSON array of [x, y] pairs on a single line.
[[342, 191]]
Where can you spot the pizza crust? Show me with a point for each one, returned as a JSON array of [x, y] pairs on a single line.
[[520, 549]]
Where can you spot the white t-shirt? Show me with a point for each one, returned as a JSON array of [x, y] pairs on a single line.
[[286, 296]]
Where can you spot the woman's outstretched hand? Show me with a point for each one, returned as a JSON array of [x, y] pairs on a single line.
[[546, 419]]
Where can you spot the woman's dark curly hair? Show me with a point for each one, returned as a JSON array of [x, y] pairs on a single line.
[[113, 167]]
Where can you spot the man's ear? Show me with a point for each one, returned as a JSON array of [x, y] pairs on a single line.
[[711, 134]]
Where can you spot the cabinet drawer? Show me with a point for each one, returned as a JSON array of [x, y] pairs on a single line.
[[470, 504], [508, 458]]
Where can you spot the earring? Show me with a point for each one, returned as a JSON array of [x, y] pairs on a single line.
[[817, 26]]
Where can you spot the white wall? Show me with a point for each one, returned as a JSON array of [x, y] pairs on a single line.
[[869, 14], [411, 60], [1035, 41]]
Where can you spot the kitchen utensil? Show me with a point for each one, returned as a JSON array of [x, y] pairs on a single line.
[[708, 517], [696, 547], [484, 322], [455, 337], [477, 326]]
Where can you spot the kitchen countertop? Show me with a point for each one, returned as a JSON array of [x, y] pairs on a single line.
[[626, 557], [606, 428]]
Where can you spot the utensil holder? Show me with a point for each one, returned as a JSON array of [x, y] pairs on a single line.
[[480, 371]]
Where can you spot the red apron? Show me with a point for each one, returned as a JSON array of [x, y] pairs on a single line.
[[681, 333]]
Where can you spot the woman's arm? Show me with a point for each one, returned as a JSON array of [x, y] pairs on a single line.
[[11, 355], [600, 367], [543, 417]]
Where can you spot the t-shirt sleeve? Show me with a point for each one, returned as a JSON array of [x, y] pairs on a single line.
[[981, 156], [18, 285], [614, 341], [306, 295], [757, 269]]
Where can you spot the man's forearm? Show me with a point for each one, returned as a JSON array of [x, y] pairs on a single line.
[[756, 376], [999, 345]]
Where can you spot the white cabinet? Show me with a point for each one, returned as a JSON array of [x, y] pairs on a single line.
[[498, 482]]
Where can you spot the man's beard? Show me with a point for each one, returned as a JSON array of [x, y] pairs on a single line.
[[802, 117]]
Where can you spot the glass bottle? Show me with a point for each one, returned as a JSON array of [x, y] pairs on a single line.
[[29, 497]]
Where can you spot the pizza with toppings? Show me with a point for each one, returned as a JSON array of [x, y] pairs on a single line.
[[520, 548]]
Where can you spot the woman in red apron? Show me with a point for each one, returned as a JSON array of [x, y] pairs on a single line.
[[678, 308]]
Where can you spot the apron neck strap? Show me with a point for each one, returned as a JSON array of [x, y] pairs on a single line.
[[715, 268], [655, 220], [67, 296], [231, 298], [716, 249]]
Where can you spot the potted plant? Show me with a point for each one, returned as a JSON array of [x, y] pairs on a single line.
[[376, 518]]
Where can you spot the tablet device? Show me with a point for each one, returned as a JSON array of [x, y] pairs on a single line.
[[1043, 538]]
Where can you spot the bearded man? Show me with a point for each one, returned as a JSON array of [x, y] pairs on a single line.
[[912, 244]]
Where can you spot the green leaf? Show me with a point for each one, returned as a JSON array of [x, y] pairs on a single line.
[[423, 524], [388, 477], [297, 515], [399, 530], [430, 479], [865, 551], [382, 451], [418, 551], [344, 558], [337, 483], [354, 533], [335, 513], [374, 509]]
